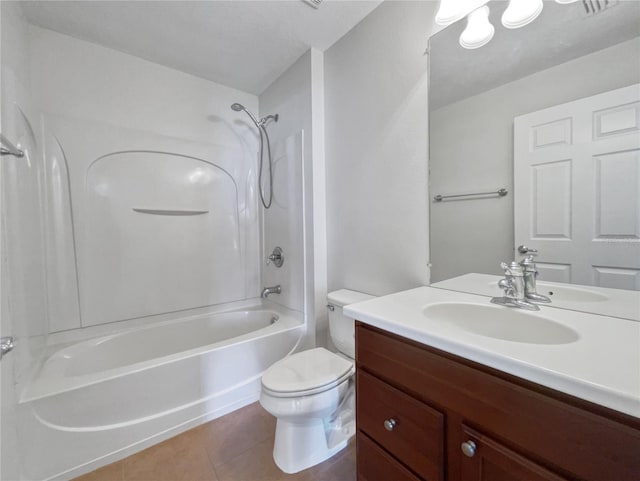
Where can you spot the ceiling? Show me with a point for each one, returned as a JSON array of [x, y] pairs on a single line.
[[239, 43], [561, 33]]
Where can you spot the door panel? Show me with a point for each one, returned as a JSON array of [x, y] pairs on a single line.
[[577, 189]]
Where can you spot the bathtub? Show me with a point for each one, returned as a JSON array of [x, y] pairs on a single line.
[[99, 400]]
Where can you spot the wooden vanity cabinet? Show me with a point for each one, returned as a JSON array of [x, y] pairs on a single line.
[[419, 408]]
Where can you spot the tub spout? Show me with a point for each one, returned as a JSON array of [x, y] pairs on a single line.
[[270, 290]]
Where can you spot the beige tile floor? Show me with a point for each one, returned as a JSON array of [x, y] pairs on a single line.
[[235, 447]]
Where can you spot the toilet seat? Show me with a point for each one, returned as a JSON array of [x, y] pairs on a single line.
[[306, 373]]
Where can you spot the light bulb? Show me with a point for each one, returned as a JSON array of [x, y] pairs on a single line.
[[521, 12], [449, 11], [479, 30]]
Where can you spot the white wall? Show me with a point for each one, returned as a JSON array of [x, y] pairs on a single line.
[[96, 101], [86, 81], [289, 223], [376, 151], [472, 150]]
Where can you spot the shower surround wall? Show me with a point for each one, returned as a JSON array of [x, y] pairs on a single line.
[[295, 221], [160, 176], [23, 307]]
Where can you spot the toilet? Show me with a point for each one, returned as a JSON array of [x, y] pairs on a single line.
[[312, 394]]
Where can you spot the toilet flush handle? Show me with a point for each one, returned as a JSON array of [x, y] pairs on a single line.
[[331, 307]]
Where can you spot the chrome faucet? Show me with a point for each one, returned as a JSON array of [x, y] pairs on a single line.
[[270, 290], [530, 273], [514, 288]]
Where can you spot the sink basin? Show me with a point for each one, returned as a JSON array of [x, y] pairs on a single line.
[[503, 323], [565, 293]]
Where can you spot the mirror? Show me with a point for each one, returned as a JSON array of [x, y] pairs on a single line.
[[569, 56]]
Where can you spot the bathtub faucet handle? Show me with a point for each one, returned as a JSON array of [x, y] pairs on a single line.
[[277, 257]]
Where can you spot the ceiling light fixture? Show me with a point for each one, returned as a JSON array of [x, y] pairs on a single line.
[[521, 12], [450, 11], [479, 30]]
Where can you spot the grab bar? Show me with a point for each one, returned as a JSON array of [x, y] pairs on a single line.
[[7, 148], [500, 192], [169, 212]]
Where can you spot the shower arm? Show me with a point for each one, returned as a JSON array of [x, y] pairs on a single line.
[[264, 120]]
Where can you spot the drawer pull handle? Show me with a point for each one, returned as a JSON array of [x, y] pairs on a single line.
[[389, 424], [468, 448]]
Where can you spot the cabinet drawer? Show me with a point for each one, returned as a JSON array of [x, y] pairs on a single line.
[[416, 434], [376, 465]]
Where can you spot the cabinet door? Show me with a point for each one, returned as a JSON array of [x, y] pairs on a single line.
[[484, 459], [375, 464]]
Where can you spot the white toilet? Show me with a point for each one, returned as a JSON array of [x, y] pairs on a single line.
[[312, 394]]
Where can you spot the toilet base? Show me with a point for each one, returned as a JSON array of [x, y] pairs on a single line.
[[301, 444]]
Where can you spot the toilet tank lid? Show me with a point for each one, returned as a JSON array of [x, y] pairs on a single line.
[[344, 297]]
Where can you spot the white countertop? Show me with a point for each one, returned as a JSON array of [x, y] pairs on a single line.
[[607, 302], [601, 366]]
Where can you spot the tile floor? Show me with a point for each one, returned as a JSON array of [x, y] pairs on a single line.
[[235, 447]]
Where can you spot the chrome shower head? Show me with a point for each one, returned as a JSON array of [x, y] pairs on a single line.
[[239, 107]]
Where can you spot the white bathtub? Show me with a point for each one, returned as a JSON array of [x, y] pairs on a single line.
[[99, 400]]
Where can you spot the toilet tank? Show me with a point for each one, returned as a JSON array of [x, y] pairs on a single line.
[[342, 328]]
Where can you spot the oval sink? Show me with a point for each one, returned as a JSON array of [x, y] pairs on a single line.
[[504, 323]]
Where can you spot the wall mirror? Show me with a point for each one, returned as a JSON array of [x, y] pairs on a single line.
[[551, 114]]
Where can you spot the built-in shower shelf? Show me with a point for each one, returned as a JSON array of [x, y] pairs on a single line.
[[169, 211]]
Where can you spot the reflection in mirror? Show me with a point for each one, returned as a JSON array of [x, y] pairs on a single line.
[[551, 113]]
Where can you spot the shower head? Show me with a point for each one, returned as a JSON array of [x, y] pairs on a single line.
[[239, 107], [264, 138]]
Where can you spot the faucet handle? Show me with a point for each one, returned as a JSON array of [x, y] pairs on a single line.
[[528, 264], [513, 269], [277, 257], [507, 286]]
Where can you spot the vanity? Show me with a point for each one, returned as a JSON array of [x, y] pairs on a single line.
[[557, 397], [525, 155]]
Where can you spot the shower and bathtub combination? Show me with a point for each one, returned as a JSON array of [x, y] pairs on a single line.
[[169, 329], [155, 238]]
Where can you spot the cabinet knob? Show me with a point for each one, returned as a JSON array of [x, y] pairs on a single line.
[[389, 424], [468, 448]]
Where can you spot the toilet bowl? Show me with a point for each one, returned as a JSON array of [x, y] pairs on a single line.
[[312, 394]]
